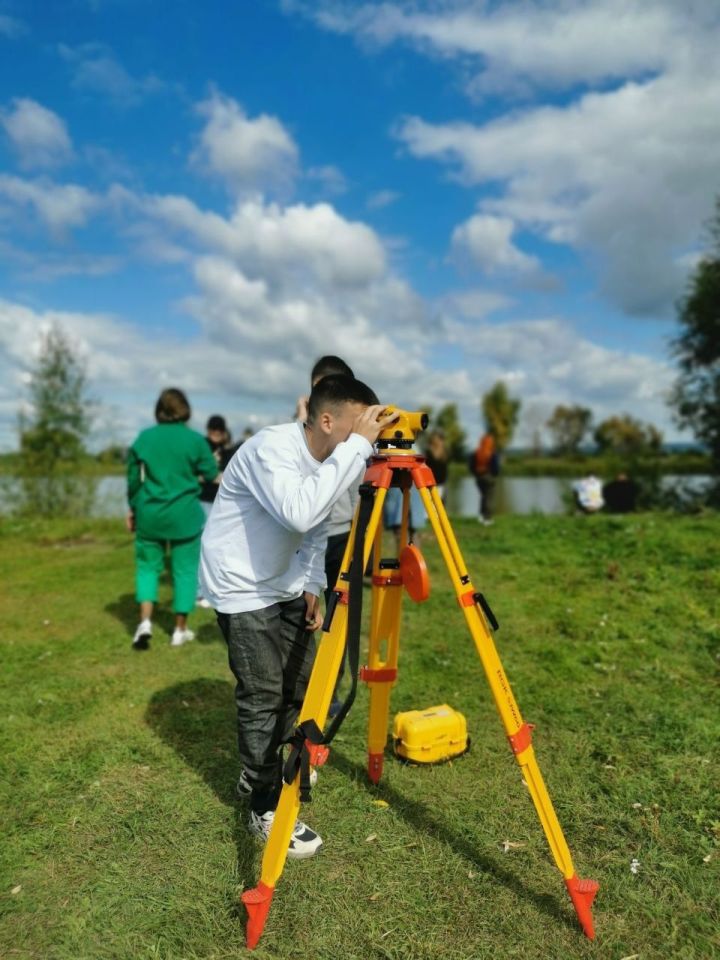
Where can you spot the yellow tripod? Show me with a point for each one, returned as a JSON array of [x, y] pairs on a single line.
[[396, 464]]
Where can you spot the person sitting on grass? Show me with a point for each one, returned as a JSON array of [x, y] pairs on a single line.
[[262, 568], [165, 466]]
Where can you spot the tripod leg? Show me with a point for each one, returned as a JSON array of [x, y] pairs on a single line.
[[315, 706], [519, 733], [383, 647]]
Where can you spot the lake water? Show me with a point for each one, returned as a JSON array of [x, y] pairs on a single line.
[[512, 495]]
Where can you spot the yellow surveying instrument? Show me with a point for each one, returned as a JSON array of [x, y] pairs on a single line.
[[395, 464]]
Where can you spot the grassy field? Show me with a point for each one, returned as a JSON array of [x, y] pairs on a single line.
[[123, 839]]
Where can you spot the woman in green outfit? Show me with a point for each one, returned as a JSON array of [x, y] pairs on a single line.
[[165, 465]]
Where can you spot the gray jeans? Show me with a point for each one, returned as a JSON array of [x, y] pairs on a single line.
[[271, 655]]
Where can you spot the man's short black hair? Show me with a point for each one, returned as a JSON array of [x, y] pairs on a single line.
[[336, 389], [329, 365]]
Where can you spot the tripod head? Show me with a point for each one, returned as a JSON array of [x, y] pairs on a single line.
[[403, 432]]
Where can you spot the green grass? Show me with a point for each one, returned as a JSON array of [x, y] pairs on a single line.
[[607, 466], [123, 839]]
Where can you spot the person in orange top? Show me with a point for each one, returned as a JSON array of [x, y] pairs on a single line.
[[485, 464]]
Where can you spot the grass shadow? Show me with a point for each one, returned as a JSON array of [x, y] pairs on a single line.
[[208, 633], [420, 817], [126, 610], [197, 719]]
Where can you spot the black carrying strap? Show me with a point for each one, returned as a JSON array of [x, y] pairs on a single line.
[[309, 731], [355, 598], [299, 757]]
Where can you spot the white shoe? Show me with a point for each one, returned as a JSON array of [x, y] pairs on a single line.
[[141, 640], [202, 602], [304, 842], [243, 788], [180, 637]]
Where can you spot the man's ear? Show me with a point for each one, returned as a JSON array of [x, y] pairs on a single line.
[[325, 422]]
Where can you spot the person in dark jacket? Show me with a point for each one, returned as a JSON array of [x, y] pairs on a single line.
[[220, 442], [620, 495], [166, 464]]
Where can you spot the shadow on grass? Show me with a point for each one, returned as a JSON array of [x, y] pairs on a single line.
[[420, 817], [125, 609], [197, 719]]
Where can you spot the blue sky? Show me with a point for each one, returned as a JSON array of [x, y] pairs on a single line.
[[444, 192]]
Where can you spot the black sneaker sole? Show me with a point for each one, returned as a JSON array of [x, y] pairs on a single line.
[[142, 643]]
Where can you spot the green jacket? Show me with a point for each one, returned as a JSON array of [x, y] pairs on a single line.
[[164, 467]]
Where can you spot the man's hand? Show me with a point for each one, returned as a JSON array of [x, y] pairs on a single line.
[[130, 521], [313, 613], [301, 409], [370, 424]]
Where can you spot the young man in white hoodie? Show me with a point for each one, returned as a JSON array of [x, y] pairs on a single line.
[[262, 569]]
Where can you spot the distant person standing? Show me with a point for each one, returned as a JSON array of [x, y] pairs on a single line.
[[220, 442], [485, 466], [437, 457], [166, 464]]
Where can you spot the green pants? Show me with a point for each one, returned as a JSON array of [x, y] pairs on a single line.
[[150, 562]]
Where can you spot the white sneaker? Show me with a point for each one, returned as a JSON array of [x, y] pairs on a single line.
[[243, 788], [180, 637], [303, 843], [141, 640], [202, 602]]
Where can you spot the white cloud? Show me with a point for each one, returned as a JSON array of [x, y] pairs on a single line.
[[97, 70], [265, 239], [38, 136], [59, 206], [546, 362], [474, 304], [541, 43], [626, 177], [486, 241], [248, 153], [11, 27], [382, 198], [329, 177], [625, 174], [46, 266]]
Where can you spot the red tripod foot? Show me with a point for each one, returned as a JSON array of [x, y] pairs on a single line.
[[582, 893], [375, 767], [257, 903]]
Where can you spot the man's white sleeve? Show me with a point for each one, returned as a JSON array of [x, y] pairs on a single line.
[[312, 557], [302, 503]]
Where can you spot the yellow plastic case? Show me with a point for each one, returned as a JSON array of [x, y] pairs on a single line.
[[431, 735]]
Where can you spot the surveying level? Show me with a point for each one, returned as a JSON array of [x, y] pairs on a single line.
[[395, 464]]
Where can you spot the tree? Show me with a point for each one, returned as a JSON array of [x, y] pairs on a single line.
[[500, 412], [627, 436], [696, 396], [448, 421], [53, 435], [568, 426]]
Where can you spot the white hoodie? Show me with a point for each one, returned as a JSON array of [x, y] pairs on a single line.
[[265, 538]]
